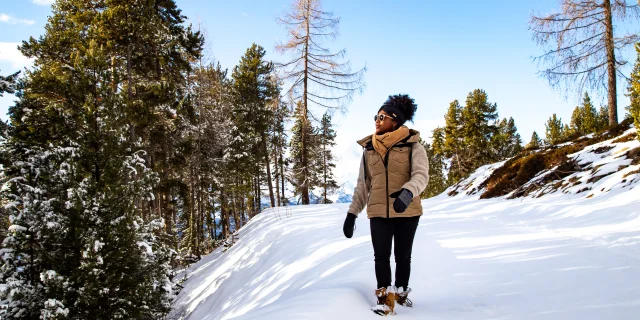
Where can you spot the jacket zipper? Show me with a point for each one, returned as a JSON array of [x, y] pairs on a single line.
[[386, 175]]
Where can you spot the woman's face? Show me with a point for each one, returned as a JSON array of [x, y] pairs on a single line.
[[386, 125]]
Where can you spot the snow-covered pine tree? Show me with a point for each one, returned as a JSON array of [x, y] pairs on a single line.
[[279, 147], [8, 83], [303, 170], [254, 90], [83, 215], [326, 142]]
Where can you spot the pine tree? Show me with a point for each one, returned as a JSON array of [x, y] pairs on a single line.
[[318, 77], [506, 143], [437, 180], [633, 92], [254, 91], [326, 136], [303, 174], [577, 121], [602, 118], [535, 142], [279, 143], [554, 130], [93, 124], [452, 146], [8, 83], [478, 128]]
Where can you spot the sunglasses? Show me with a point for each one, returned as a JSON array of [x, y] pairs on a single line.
[[381, 117]]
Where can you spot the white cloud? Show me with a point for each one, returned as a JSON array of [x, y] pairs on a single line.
[[11, 20], [9, 53], [43, 2]]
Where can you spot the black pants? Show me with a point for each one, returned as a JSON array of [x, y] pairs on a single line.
[[401, 231]]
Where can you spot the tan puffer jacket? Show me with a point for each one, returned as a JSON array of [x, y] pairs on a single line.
[[382, 177]]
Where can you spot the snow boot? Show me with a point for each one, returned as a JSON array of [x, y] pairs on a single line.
[[402, 297], [386, 301]]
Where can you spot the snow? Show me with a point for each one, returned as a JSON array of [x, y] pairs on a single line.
[[546, 258], [564, 255]]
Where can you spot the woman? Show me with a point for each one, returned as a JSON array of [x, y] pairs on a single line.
[[393, 172]]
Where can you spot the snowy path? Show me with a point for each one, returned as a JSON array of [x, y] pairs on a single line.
[[557, 257]]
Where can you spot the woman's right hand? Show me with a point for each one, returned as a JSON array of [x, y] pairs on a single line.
[[349, 225]]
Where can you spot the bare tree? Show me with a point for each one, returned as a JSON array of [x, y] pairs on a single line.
[[316, 75], [581, 49]]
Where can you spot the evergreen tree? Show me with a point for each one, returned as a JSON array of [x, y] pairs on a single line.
[[95, 120], [633, 92], [590, 115], [8, 83], [279, 143], [603, 118], [506, 143], [254, 91], [452, 146], [478, 128], [437, 180], [303, 174], [577, 121], [554, 130], [326, 136], [535, 142]]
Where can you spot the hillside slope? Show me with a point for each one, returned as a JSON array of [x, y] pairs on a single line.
[[564, 255]]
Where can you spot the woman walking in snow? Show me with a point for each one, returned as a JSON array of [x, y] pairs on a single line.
[[393, 172]]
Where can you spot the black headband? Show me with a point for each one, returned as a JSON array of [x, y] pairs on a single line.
[[395, 112]]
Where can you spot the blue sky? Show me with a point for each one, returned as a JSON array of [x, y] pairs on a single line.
[[435, 51]]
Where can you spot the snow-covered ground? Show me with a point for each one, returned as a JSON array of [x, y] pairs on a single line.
[[565, 255]]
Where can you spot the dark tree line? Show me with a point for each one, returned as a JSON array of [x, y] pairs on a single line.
[[127, 156]]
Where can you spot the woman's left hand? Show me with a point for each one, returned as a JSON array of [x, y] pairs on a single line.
[[403, 199]]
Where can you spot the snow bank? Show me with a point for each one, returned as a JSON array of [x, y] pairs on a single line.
[[546, 258]]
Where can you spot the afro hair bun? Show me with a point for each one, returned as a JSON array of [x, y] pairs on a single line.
[[403, 102]]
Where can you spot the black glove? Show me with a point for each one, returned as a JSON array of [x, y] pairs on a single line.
[[349, 225], [403, 199]]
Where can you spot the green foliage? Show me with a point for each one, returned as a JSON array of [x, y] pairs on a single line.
[[437, 179], [555, 130], [8, 83], [89, 141], [326, 163], [586, 119], [633, 92], [473, 136], [506, 142], [535, 142], [303, 175]]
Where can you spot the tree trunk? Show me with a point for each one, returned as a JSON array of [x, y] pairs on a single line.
[[611, 65], [266, 163], [324, 171], [282, 176], [304, 187], [224, 214], [277, 173]]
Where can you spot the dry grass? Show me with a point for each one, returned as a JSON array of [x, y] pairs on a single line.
[[515, 174], [626, 138]]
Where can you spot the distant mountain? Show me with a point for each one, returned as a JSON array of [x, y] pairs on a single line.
[[344, 194]]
